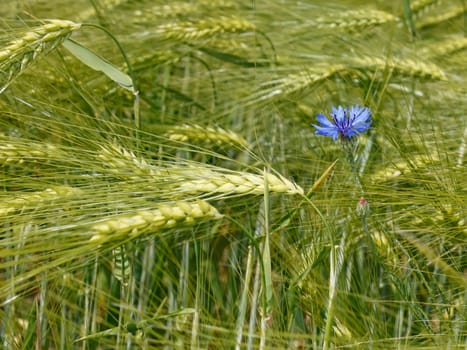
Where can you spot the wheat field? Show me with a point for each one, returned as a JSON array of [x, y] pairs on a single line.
[[163, 185]]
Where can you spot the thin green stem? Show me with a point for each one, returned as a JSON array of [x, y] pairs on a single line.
[[244, 299], [265, 260], [136, 104], [348, 147], [254, 306]]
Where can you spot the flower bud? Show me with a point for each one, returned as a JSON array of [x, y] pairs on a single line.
[[363, 207]]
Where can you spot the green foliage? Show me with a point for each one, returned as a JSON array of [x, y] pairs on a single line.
[[156, 200]]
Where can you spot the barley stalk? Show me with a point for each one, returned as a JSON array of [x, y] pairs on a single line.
[[442, 16], [400, 168], [419, 6], [121, 265], [156, 58], [12, 152], [445, 47], [175, 9], [297, 82], [219, 4], [206, 135], [20, 53], [191, 178], [433, 256], [37, 247], [354, 19], [401, 66], [208, 181], [13, 204], [105, 6], [445, 214], [172, 9], [162, 217], [232, 45], [125, 163], [205, 28], [385, 247]]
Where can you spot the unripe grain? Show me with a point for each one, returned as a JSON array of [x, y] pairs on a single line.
[[21, 52], [162, 217]]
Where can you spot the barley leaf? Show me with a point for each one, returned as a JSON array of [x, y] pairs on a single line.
[[97, 63]]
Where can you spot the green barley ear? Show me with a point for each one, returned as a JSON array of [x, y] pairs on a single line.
[[406, 67], [39, 41], [162, 217], [395, 170], [354, 19], [420, 6], [192, 178], [28, 201], [447, 14], [18, 152], [206, 136], [323, 177], [206, 28], [434, 257], [121, 265], [445, 48], [294, 83]]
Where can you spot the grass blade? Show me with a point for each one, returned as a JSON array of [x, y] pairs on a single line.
[[99, 64]]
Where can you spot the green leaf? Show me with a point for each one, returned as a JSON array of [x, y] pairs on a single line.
[[97, 63], [408, 14]]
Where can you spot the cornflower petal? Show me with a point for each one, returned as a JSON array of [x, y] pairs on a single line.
[[327, 128], [327, 132], [339, 114], [324, 121], [360, 115], [344, 123]]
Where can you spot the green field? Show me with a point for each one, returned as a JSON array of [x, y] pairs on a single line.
[[163, 184]]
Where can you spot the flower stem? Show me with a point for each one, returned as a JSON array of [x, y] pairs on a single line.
[[348, 147]]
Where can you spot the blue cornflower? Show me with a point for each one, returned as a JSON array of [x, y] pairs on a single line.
[[344, 123]]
